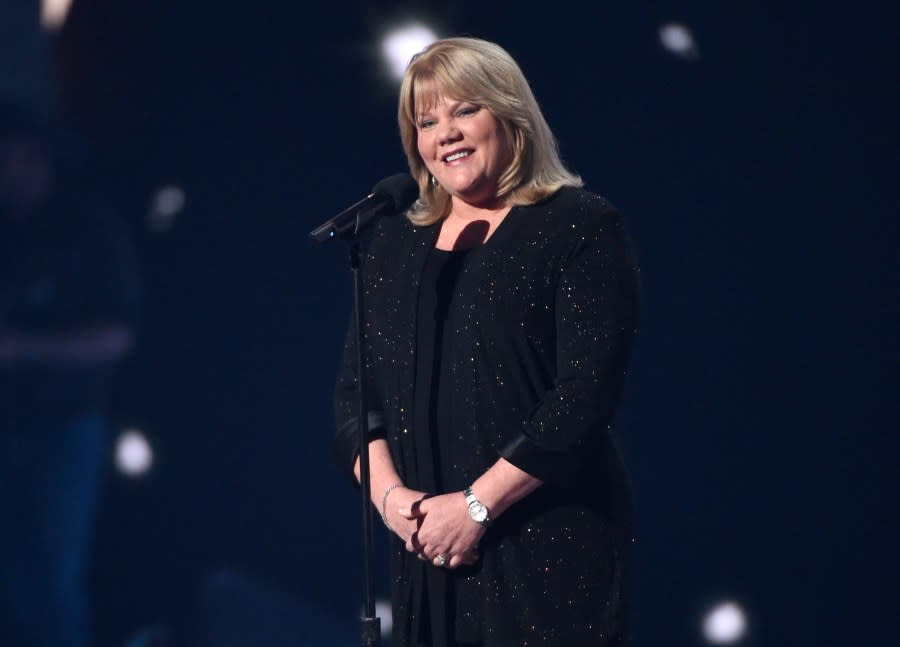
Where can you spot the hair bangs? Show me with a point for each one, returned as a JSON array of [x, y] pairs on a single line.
[[441, 76]]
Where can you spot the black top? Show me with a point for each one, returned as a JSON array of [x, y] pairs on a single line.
[[434, 342], [432, 413], [543, 316]]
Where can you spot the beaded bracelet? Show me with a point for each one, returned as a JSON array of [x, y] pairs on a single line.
[[384, 504]]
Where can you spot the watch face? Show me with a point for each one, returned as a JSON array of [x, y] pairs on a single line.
[[478, 512]]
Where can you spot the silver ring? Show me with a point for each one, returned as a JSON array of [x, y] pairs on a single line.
[[441, 559]]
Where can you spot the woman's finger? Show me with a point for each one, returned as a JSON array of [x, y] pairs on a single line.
[[465, 559], [414, 511], [431, 552], [412, 544]]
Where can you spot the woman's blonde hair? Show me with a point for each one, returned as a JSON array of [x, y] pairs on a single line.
[[480, 72]]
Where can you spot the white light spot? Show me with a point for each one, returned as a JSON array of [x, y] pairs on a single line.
[[134, 455], [385, 614], [725, 624], [53, 13], [383, 611], [166, 204], [679, 40], [400, 45]]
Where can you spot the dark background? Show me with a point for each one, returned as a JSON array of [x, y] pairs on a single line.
[[759, 423]]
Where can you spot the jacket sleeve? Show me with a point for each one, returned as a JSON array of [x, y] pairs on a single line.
[[345, 447], [595, 316]]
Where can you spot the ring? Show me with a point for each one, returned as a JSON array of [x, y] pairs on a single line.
[[441, 559]]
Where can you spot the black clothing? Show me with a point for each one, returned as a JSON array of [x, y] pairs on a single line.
[[432, 405], [542, 320], [432, 591]]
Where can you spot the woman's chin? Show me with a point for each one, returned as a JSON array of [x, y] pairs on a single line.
[[476, 195]]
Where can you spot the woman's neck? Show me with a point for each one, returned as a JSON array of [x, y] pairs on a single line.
[[468, 226], [461, 210]]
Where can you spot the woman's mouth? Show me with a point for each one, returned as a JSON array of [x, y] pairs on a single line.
[[456, 156]]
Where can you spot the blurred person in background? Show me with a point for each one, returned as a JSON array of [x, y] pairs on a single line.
[[67, 316]]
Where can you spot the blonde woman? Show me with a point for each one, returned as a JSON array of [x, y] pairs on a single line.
[[499, 319]]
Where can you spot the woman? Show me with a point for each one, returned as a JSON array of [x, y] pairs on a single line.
[[498, 317]]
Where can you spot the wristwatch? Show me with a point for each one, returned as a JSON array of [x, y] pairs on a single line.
[[477, 510]]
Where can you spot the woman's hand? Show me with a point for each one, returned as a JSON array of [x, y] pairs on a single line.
[[401, 498], [444, 528]]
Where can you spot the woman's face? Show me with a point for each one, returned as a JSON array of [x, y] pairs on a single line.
[[464, 148]]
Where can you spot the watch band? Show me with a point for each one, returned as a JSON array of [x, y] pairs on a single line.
[[478, 512]]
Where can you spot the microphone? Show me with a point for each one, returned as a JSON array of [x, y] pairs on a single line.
[[391, 196]]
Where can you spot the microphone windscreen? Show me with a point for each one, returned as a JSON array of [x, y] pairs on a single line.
[[401, 189]]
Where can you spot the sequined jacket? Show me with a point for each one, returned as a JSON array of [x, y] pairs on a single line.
[[544, 315]]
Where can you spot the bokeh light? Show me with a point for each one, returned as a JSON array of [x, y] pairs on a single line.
[[134, 454], [167, 203], [384, 612], [725, 624], [401, 44], [679, 40], [54, 13]]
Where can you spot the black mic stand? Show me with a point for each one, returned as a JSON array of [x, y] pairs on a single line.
[[370, 624]]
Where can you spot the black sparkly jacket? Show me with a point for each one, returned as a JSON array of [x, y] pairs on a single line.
[[543, 318]]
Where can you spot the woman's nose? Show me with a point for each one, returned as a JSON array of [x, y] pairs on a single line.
[[447, 133]]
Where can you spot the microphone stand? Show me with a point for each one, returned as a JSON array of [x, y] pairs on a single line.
[[370, 624]]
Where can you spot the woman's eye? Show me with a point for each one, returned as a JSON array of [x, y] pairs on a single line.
[[425, 124], [470, 110]]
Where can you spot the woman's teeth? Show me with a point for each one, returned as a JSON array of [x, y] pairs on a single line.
[[456, 156]]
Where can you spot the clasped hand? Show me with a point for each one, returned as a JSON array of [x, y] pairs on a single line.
[[435, 526]]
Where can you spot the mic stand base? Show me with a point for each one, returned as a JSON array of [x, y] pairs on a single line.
[[371, 631]]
